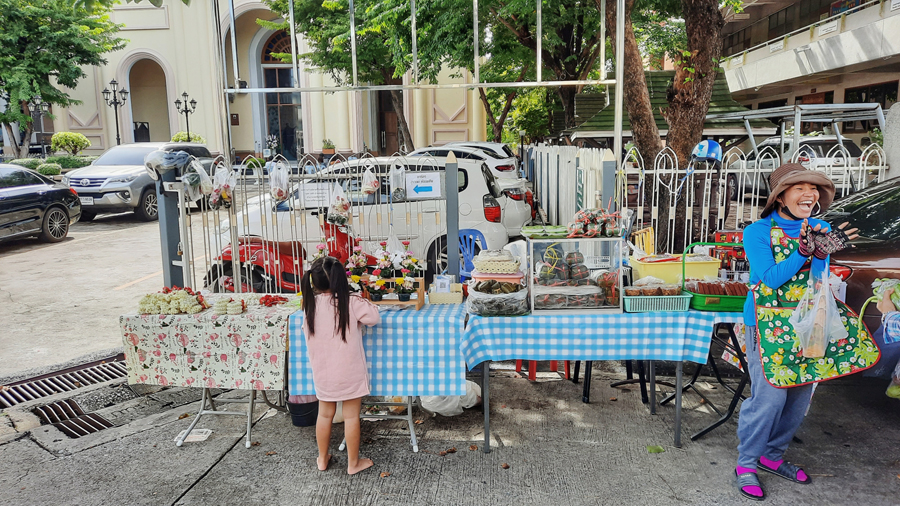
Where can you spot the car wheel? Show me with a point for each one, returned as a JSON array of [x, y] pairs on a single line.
[[148, 209], [56, 225], [87, 215], [436, 263]]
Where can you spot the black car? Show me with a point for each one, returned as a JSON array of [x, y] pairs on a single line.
[[32, 204]]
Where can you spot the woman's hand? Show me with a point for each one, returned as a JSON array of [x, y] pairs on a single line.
[[827, 243], [807, 245], [885, 305]]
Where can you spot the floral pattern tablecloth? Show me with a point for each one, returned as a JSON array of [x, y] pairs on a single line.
[[245, 351]]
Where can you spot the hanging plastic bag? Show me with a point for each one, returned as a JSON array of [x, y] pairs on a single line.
[[893, 390], [398, 182], [279, 183], [339, 211], [816, 320], [224, 181], [370, 182], [196, 181]]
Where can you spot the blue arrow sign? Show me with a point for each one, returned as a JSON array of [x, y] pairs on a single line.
[[420, 189]]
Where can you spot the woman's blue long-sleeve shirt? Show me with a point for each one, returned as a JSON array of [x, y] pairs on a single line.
[[758, 247]]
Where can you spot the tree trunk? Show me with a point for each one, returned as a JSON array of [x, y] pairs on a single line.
[[637, 97], [497, 122], [691, 91], [567, 97], [405, 137]]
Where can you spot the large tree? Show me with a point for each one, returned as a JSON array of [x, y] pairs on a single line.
[[44, 45]]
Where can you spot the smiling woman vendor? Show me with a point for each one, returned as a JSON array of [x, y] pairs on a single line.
[[783, 248]]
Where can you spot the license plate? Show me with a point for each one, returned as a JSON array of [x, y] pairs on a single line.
[[86, 201]]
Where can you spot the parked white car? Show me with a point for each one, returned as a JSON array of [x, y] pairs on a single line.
[[496, 149], [517, 211], [480, 207]]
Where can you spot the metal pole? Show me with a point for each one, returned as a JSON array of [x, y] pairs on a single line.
[[187, 124], [879, 113], [476, 37], [603, 39], [353, 40], [620, 77], [796, 147], [540, 36], [294, 63], [486, 401], [116, 114], [781, 149], [234, 55], [415, 43], [452, 186], [837, 133], [752, 138]]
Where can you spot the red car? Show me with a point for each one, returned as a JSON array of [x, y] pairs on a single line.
[[876, 212]]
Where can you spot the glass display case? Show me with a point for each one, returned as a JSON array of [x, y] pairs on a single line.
[[572, 276]]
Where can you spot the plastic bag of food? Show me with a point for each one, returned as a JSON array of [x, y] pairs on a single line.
[[339, 211], [224, 181], [398, 182], [496, 304], [816, 320], [893, 390], [164, 161], [452, 405], [370, 183], [196, 181], [279, 182]]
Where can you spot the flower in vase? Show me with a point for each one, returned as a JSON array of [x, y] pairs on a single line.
[[405, 244], [376, 272], [405, 271], [383, 244], [357, 249]]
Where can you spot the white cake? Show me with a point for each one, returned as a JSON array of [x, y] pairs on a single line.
[[496, 262]]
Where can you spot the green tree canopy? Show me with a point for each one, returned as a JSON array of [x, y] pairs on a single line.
[[43, 46]]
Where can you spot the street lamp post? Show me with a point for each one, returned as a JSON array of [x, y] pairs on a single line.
[[42, 108], [113, 100], [189, 106]]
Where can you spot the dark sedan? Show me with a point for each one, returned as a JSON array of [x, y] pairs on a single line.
[[32, 204], [876, 211]]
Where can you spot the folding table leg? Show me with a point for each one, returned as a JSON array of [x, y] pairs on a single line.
[[652, 368], [195, 420], [586, 394], [678, 379], [411, 422], [731, 408], [250, 417], [486, 403], [577, 371]]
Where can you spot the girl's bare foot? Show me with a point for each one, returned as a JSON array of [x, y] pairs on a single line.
[[322, 462], [361, 464]]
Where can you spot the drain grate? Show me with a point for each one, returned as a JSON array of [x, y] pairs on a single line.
[[70, 419], [66, 381]]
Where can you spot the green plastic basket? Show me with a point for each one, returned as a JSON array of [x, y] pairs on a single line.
[[662, 303], [720, 303]]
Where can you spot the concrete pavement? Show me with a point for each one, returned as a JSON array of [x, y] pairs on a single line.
[[559, 451]]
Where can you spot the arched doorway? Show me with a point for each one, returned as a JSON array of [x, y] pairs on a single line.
[[149, 102], [284, 124]]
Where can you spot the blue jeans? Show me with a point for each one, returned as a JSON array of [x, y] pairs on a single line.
[[770, 417]]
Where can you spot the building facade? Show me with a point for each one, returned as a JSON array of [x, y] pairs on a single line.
[[787, 52], [172, 50]]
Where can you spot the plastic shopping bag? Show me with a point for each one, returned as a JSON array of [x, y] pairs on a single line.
[[893, 390], [370, 182], [279, 183], [339, 211], [224, 181], [196, 181], [816, 320], [398, 182]]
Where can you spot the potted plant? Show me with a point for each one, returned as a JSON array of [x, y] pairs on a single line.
[[327, 147], [384, 267], [357, 261], [409, 260], [376, 289], [405, 286]]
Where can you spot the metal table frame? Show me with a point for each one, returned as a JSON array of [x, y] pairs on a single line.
[[205, 398]]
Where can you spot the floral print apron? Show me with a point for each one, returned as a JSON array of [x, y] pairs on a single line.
[[782, 358]]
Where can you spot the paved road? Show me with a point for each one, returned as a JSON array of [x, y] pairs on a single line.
[[59, 302]]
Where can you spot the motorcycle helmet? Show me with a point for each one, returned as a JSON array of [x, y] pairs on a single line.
[[707, 151]]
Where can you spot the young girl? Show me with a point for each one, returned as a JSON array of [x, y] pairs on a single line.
[[787, 250], [333, 329]]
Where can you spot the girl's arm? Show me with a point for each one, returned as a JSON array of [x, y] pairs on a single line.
[[757, 246], [365, 312]]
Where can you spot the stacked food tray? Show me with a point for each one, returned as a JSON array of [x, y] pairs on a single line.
[[574, 275], [496, 287]]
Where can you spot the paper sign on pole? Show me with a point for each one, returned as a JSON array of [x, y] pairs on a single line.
[[316, 194], [423, 185]]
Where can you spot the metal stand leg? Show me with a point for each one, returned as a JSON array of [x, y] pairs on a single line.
[[206, 397], [731, 408], [486, 402], [250, 417], [678, 379], [586, 394], [652, 368], [577, 371], [412, 426], [196, 419]]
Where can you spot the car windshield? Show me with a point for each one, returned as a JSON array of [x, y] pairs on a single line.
[[488, 151], [125, 156], [873, 210]]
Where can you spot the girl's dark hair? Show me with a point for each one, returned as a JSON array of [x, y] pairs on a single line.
[[327, 275]]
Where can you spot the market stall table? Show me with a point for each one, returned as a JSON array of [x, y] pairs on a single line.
[[410, 353], [205, 350], [674, 336]]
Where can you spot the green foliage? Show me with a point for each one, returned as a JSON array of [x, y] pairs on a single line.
[[28, 163], [659, 35], [327, 144], [877, 136], [70, 162], [531, 112], [49, 169], [183, 137], [70, 142], [45, 45], [254, 160]]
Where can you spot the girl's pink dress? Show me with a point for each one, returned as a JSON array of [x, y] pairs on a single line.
[[339, 368]]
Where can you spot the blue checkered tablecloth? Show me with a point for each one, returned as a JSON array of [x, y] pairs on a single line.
[[409, 353], [625, 336]]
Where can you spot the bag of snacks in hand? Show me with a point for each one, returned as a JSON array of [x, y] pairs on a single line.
[[224, 180], [339, 212], [279, 183]]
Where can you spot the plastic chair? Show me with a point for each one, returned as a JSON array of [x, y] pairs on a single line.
[[467, 246], [643, 239], [532, 368]]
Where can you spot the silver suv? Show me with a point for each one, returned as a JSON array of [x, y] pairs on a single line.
[[118, 181]]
